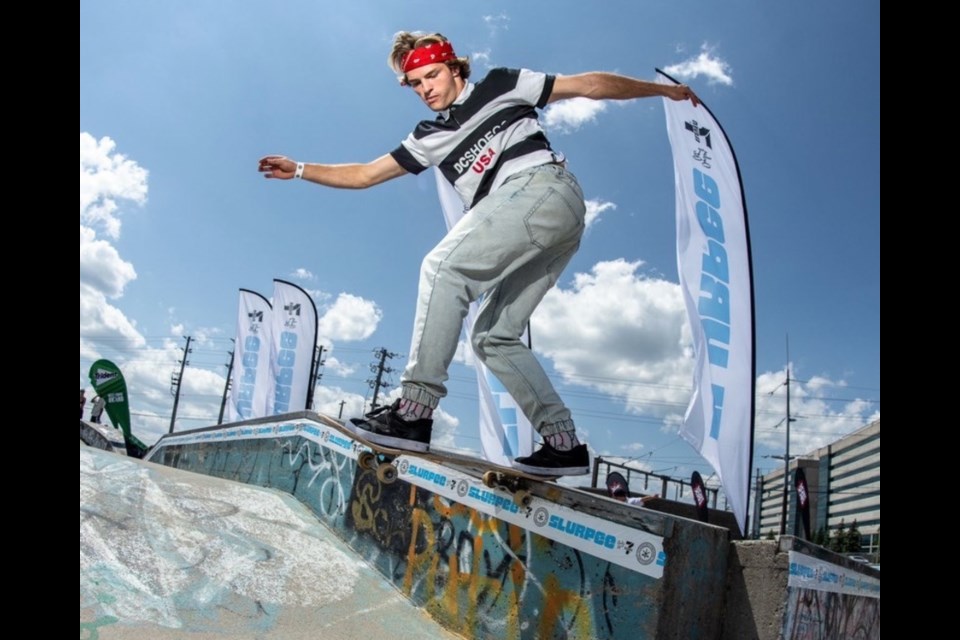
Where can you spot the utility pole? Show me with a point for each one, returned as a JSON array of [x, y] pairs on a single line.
[[226, 387], [340, 415], [786, 455], [380, 369], [176, 379], [757, 500], [315, 376]]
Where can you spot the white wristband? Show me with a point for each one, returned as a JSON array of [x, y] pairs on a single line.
[[299, 171]]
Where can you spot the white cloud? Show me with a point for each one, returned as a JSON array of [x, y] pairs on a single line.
[[200, 394], [445, 428], [302, 274], [109, 184], [204, 336], [106, 178], [327, 399], [714, 69], [817, 383], [621, 333], [821, 408], [569, 115], [595, 208], [334, 366], [350, 317], [148, 373], [101, 322], [632, 463], [481, 57], [319, 295], [497, 23], [101, 267]]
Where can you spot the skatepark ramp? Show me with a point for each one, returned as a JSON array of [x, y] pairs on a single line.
[[168, 554], [567, 565]]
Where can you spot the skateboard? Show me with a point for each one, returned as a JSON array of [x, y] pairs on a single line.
[[380, 459]]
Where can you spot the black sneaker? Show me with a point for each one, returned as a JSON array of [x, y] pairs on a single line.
[[547, 461], [384, 426]]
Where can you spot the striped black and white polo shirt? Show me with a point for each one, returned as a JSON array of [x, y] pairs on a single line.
[[489, 133]]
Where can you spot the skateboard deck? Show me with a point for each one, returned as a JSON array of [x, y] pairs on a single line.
[[380, 459]]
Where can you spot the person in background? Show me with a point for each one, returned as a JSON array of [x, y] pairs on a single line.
[[97, 410], [620, 494]]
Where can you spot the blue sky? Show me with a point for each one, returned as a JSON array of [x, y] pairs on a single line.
[[178, 100]]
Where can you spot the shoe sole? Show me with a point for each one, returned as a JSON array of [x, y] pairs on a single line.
[[404, 444], [551, 471]]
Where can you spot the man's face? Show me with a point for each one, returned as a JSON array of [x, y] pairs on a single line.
[[437, 85]]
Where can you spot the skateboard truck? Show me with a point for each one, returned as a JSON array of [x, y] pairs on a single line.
[[516, 486], [381, 464], [380, 459]]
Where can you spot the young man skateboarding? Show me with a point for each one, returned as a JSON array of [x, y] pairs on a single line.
[[523, 222]]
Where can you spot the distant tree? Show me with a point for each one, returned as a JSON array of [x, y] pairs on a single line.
[[838, 541], [853, 539], [821, 537], [770, 535]]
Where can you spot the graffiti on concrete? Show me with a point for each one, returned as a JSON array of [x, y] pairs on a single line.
[[823, 615], [328, 475], [481, 576], [475, 573]]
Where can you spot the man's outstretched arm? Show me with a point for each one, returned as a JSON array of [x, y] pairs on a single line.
[[343, 176], [599, 85]]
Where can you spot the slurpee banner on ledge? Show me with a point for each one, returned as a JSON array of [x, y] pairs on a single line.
[[250, 380], [293, 338], [713, 256], [505, 432]]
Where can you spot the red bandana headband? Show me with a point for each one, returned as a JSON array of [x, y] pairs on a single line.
[[428, 54]]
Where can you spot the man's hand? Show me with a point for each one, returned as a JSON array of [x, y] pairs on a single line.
[[279, 167], [342, 176], [682, 92]]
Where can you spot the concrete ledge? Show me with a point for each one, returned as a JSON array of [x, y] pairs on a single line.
[[572, 565], [794, 589], [101, 436]]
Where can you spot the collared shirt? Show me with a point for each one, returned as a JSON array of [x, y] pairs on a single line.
[[489, 133]]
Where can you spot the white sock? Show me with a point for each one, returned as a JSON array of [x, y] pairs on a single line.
[[410, 410], [562, 440]]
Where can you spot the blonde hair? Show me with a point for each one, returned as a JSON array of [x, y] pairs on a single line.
[[406, 41]]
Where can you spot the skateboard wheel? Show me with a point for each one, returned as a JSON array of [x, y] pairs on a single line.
[[367, 460], [490, 479], [522, 498], [386, 473]]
